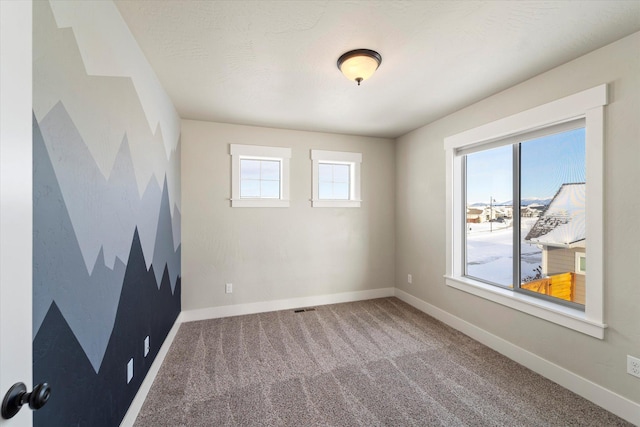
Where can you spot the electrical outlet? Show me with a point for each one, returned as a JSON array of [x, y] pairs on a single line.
[[146, 346], [228, 289], [409, 279], [633, 366]]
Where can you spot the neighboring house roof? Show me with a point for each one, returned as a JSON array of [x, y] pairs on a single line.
[[474, 211], [536, 207], [562, 223]]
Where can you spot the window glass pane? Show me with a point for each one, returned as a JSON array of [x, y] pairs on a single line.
[[553, 189], [249, 169], [259, 178], [249, 188], [489, 220], [341, 173], [333, 181], [325, 172], [270, 170], [270, 189], [341, 191], [325, 190]]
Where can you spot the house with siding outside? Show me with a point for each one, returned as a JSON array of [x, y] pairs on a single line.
[[560, 233]]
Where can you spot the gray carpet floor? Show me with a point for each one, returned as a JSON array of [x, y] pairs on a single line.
[[371, 363]]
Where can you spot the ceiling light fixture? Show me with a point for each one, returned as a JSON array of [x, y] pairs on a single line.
[[359, 64]]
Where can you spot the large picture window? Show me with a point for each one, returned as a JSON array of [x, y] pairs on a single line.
[[525, 202], [519, 227]]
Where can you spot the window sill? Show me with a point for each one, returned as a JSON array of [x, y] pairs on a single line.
[[335, 203], [259, 203], [560, 315]]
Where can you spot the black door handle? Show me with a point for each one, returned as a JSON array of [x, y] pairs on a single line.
[[18, 396]]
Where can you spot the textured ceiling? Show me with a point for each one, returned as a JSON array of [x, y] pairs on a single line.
[[273, 63]]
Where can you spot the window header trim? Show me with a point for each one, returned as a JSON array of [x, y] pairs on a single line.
[[260, 151], [524, 136], [562, 110]]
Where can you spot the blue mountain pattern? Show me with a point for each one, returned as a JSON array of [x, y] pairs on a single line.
[[81, 396], [106, 248], [104, 211], [87, 301], [163, 252]]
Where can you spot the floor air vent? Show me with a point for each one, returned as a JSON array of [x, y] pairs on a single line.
[[302, 310]]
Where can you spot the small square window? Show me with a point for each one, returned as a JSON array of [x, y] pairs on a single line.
[[259, 176], [334, 181], [336, 178], [259, 179]]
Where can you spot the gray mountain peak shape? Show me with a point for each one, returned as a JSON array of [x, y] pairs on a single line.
[[103, 107], [88, 302], [96, 220], [147, 218], [104, 211], [176, 223], [164, 253], [173, 175]]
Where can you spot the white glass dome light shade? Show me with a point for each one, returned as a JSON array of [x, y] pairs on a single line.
[[358, 65]]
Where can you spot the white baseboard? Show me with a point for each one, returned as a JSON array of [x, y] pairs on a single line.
[[612, 402], [141, 395], [597, 394], [283, 304]]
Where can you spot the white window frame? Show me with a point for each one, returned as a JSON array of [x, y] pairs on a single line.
[[589, 105], [258, 152], [579, 256], [354, 160]]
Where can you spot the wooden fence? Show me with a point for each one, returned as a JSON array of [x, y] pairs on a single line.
[[560, 286]]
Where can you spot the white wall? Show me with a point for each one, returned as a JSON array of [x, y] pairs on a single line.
[[16, 202], [281, 253], [420, 218]]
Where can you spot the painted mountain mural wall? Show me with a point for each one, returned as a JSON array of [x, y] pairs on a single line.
[[106, 220]]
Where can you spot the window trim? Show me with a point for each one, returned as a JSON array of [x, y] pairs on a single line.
[[259, 152], [337, 157], [579, 256], [588, 104]]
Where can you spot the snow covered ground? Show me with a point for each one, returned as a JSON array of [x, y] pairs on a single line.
[[490, 253]]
